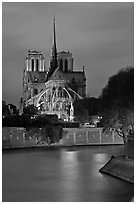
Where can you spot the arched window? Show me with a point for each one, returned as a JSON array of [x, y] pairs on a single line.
[[65, 94], [35, 91], [37, 63], [66, 65], [59, 91], [32, 64], [53, 90], [61, 64]]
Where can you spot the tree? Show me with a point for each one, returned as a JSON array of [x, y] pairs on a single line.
[[117, 104], [85, 108], [5, 109], [30, 110], [13, 109], [120, 89], [49, 134], [81, 113]]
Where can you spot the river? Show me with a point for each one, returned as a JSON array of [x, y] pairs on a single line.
[[62, 175]]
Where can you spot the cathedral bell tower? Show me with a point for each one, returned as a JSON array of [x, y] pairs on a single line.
[[53, 60], [34, 76]]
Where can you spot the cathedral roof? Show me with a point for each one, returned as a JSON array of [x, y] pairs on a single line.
[[78, 76]]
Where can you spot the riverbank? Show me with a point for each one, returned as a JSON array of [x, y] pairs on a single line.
[[54, 146], [120, 167]]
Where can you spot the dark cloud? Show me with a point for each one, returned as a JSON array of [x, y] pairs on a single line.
[[100, 36]]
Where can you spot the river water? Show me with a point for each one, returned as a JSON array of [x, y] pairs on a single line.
[[62, 175]]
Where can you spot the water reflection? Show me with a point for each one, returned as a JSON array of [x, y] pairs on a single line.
[[69, 172], [62, 175], [100, 157]]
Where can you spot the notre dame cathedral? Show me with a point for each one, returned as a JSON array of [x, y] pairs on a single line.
[[53, 90]]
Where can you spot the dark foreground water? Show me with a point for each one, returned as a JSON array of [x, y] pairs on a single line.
[[62, 174]]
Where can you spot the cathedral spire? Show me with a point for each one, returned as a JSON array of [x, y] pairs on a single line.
[[54, 48], [53, 60]]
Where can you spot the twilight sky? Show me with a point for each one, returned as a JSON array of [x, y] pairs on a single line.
[[99, 35]]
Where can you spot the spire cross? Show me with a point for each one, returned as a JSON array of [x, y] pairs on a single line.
[[54, 17]]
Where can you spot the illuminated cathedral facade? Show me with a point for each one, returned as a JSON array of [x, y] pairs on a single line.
[[53, 90]]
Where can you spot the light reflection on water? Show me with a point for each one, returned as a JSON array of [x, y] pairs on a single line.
[[100, 157], [70, 175], [61, 175]]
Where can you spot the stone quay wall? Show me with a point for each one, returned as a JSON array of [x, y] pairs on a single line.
[[89, 136], [14, 137]]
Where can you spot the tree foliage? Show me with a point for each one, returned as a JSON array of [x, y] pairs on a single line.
[[49, 134], [85, 108], [30, 110], [117, 103], [13, 109], [5, 110], [8, 109]]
